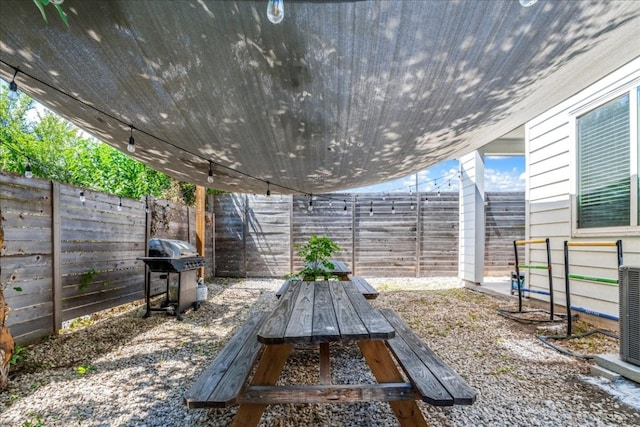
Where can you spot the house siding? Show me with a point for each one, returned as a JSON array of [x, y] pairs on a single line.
[[550, 167]]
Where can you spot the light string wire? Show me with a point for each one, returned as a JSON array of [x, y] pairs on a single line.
[[268, 183]]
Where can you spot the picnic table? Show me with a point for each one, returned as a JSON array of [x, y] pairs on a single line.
[[321, 313], [340, 269]]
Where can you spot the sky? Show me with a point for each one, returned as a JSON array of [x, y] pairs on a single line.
[[501, 173]]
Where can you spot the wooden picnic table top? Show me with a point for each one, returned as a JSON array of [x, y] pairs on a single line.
[[340, 268], [321, 312]]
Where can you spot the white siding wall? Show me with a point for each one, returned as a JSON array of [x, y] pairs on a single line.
[[550, 165], [472, 219]]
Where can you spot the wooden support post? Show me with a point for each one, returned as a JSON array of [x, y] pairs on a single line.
[[325, 364], [200, 231], [56, 251], [267, 373], [384, 369]]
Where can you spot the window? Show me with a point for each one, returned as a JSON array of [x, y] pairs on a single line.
[[607, 187]]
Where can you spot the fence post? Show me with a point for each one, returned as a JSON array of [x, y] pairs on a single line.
[[56, 252], [353, 235], [291, 234], [418, 231]]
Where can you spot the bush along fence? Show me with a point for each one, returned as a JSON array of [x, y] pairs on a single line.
[[69, 252], [395, 234]]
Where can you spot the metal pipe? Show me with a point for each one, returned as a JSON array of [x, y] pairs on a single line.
[[595, 313]]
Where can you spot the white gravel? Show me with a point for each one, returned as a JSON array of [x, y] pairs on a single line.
[[137, 370]]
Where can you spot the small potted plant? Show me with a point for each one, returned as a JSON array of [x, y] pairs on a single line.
[[316, 254]]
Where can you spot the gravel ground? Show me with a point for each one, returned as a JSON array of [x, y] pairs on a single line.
[[123, 370]]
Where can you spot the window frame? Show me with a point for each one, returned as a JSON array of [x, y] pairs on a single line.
[[633, 91]]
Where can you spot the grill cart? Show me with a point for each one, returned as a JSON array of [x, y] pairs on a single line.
[[170, 258]]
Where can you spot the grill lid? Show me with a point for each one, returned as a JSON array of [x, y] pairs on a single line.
[[169, 248]]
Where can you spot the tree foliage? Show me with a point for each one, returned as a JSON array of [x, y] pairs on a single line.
[[59, 151]]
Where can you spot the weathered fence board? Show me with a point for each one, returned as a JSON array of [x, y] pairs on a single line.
[[96, 246], [390, 242]]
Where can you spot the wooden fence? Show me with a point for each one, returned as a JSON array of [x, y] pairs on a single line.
[[63, 258], [408, 234]]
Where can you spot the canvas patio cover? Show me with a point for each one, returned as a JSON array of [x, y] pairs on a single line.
[[340, 94]]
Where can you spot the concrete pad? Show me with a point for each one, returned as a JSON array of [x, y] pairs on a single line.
[[613, 363]]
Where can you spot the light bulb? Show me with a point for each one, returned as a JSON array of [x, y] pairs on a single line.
[[370, 213], [82, 198], [13, 91], [210, 177], [131, 146], [275, 11], [527, 3], [393, 207], [268, 190], [345, 205], [412, 207], [120, 205], [27, 171]]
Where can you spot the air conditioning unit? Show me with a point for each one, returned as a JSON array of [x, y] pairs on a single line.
[[629, 287]]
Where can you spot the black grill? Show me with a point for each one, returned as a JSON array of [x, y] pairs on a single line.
[[173, 257]]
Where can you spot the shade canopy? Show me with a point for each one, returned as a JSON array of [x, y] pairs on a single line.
[[340, 94]]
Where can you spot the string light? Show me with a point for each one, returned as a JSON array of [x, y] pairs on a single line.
[[310, 202], [82, 198], [210, 176], [28, 173], [393, 207], [268, 189], [120, 204], [131, 146], [275, 11], [371, 209], [13, 87], [345, 204], [412, 207]]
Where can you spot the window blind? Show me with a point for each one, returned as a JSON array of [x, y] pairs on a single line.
[[604, 185]]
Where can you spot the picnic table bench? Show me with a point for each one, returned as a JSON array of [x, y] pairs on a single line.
[[324, 312], [360, 283]]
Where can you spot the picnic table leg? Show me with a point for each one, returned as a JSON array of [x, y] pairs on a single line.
[[267, 373], [325, 363], [384, 369]]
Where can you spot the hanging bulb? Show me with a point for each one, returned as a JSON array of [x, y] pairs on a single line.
[[384, 196], [371, 210], [438, 193], [393, 207], [82, 198], [268, 190], [120, 204], [28, 173], [210, 176], [13, 88], [330, 203], [310, 203], [412, 207], [131, 146], [527, 3], [275, 11], [345, 204]]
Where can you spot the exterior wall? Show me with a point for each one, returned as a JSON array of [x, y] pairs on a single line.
[[550, 199], [472, 218]]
